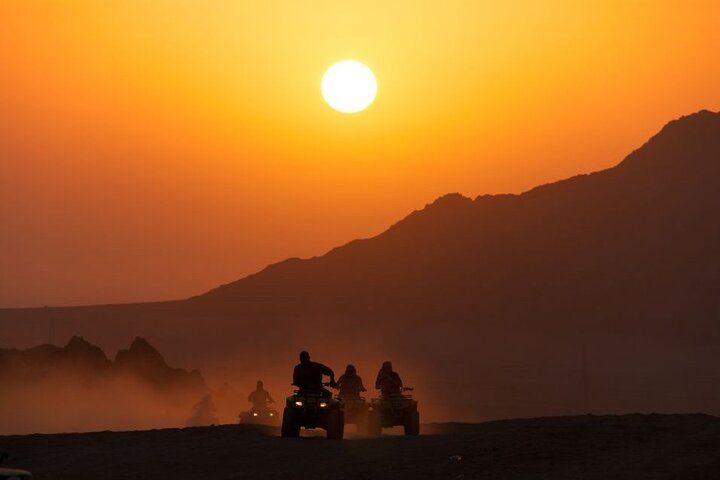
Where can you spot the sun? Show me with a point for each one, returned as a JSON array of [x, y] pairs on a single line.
[[349, 86]]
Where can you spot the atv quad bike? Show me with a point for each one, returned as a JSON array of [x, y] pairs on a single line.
[[12, 473], [392, 410], [267, 416], [356, 411], [313, 410]]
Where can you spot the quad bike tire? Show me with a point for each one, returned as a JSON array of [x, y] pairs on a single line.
[[290, 427], [362, 423], [336, 425], [412, 423], [374, 424]]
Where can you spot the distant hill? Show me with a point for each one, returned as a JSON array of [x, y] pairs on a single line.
[[637, 242], [596, 293], [78, 388], [88, 362]]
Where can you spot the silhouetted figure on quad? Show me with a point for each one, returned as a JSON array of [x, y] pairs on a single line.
[[350, 384], [350, 387], [388, 381], [393, 407], [260, 412], [312, 406], [204, 413], [308, 376], [260, 398]]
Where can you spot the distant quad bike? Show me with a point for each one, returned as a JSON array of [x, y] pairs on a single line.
[[393, 410], [313, 410], [254, 416], [356, 410], [12, 473]]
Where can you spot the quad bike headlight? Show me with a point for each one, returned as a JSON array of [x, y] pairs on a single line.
[[272, 414], [254, 414], [323, 404], [298, 403]]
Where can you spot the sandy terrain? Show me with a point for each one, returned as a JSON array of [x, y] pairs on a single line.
[[588, 447]]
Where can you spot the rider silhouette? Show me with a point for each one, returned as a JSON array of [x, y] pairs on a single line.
[[388, 381], [350, 384], [307, 376], [260, 397]]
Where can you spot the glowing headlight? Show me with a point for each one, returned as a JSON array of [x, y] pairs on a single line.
[[254, 414], [272, 414], [298, 403], [323, 404]]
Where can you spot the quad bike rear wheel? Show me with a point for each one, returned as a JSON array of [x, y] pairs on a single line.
[[362, 422], [374, 424], [290, 427], [336, 425], [412, 423]]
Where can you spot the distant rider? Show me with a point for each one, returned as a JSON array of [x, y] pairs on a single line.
[[260, 398], [204, 413], [307, 376], [388, 381], [350, 384]]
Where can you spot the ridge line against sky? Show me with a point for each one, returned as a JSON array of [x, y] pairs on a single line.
[[152, 151]]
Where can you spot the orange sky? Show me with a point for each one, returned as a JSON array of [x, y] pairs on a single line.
[[153, 150]]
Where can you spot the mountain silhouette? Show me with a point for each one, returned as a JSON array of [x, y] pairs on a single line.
[[89, 362], [636, 242], [77, 388], [600, 292]]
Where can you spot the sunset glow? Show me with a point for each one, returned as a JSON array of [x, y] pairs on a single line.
[[229, 225], [165, 147], [349, 86]]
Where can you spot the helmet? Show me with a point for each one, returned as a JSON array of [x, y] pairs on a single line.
[[259, 384], [387, 365], [350, 369], [304, 356]]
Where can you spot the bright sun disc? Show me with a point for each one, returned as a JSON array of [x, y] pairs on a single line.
[[349, 86]]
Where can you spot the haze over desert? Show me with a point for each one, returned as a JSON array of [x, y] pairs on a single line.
[[359, 239]]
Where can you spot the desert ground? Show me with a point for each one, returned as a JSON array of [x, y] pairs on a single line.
[[581, 447]]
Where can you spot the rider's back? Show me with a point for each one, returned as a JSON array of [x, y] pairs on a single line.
[[350, 385], [308, 376], [388, 382]]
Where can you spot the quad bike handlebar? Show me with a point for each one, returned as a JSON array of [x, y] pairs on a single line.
[[324, 384]]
